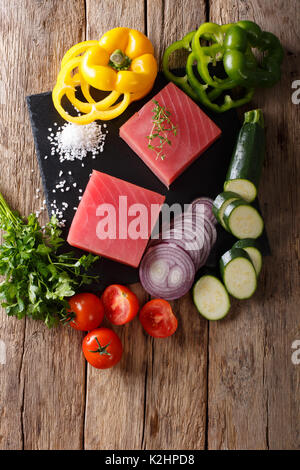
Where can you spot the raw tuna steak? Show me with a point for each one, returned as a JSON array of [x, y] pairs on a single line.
[[115, 219], [195, 132]]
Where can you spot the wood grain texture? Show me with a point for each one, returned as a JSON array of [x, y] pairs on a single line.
[[116, 398], [169, 21], [176, 384], [41, 399], [177, 375], [102, 15], [253, 385], [156, 397]]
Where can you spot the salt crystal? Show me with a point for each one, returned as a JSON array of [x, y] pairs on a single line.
[[74, 142]]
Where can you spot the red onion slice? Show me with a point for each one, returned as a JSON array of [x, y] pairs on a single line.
[[191, 248], [191, 227], [167, 271], [195, 241], [185, 242], [213, 231], [207, 203]]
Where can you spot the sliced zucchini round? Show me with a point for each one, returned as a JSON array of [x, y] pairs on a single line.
[[253, 249], [243, 220], [220, 204], [244, 188], [238, 273], [211, 298]]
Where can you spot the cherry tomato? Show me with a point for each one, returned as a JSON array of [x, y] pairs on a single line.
[[158, 318], [88, 310], [120, 304], [102, 348]]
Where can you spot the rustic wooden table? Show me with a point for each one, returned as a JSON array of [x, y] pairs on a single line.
[[226, 385]]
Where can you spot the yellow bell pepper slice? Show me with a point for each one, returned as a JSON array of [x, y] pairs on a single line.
[[100, 110], [77, 50], [85, 88], [70, 82], [121, 62], [105, 115]]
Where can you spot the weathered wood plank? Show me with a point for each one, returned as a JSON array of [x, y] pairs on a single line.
[[169, 21], [156, 397], [176, 384], [176, 378], [115, 398], [107, 14], [42, 384], [253, 385]]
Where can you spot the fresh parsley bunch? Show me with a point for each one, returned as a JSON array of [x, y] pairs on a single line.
[[38, 280]]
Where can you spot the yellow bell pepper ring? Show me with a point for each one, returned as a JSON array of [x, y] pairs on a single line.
[[123, 61], [102, 110], [94, 114], [77, 50]]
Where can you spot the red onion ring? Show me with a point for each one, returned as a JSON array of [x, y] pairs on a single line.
[[207, 203], [167, 271]]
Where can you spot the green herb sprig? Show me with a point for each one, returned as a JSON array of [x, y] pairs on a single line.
[[38, 280], [162, 127]]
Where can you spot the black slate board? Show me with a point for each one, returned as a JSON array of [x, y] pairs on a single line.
[[204, 177]]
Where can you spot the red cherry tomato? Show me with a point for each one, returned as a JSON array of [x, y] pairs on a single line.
[[158, 318], [88, 310], [102, 348], [120, 304]]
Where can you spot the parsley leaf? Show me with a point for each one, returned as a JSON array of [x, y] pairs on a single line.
[[37, 278]]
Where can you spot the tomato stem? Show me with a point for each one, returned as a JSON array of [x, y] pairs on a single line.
[[102, 350]]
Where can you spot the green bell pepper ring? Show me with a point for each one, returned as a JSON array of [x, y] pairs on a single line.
[[236, 42], [205, 98], [211, 54], [215, 52], [182, 82]]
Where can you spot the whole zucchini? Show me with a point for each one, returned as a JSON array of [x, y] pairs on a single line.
[[245, 168]]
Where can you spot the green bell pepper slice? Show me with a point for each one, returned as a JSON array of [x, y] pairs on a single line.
[[237, 39], [204, 97], [215, 52], [182, 82], [211, 54]]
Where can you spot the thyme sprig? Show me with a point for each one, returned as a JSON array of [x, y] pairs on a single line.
[[162, 127]]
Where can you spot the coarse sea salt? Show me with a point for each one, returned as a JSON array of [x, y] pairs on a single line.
[[73, 142]]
